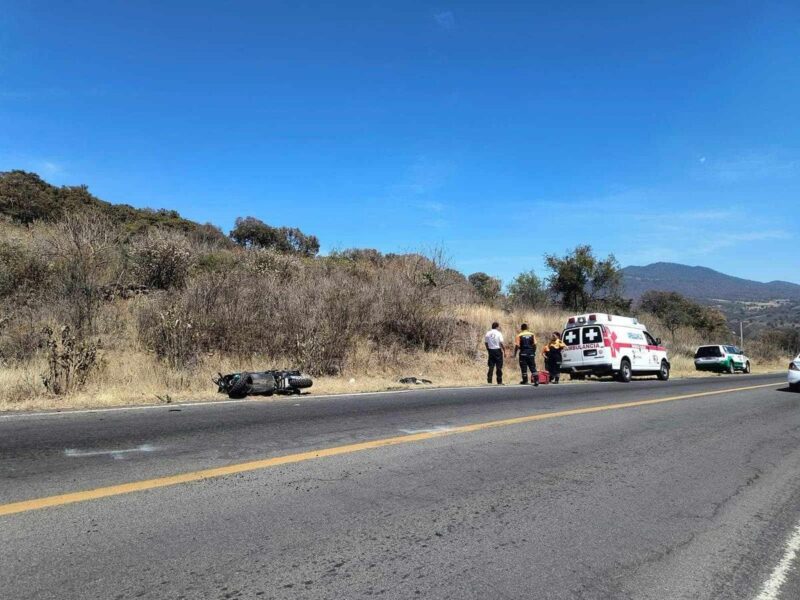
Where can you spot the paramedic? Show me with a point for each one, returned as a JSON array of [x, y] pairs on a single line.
[[525, 344], [553, 357]]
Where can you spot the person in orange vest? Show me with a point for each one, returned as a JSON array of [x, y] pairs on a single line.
[[525, 345], [553, 357]]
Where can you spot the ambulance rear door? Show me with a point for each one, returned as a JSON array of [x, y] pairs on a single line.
[[572, 355], [592, 345]]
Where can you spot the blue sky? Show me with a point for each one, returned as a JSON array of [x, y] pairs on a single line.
[[496, 130]]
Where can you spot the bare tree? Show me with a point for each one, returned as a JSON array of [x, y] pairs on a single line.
[[81, 249]]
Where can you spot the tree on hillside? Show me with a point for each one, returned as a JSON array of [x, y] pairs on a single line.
[[487, 287], [250, 232], [711, 321], [25, 197], [675, 311], [300, 243], [787, 339], [526, 289], [582, 282], [210, 234], [358, 255]]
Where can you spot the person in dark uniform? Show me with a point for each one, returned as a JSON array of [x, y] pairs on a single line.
[[525, 345], [553, 357], [495, 346]]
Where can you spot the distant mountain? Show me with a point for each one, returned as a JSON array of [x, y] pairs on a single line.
[[702, 283]]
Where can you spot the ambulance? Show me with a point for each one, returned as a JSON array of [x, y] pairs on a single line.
[[601, 344]]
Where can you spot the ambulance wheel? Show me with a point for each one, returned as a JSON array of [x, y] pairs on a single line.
[[663, 372], [625, 372], [747, 367]]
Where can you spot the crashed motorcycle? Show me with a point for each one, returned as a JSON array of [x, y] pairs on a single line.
[[262, 383]]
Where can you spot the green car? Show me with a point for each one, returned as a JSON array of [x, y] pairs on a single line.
[[721, 359]]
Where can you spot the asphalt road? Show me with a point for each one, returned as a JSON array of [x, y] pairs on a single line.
[[565, 494]]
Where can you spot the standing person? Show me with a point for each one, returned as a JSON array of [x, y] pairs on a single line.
[[525, 344], [553, 357], [495, 346]]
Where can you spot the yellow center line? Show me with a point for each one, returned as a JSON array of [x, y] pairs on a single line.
[[160, 482]]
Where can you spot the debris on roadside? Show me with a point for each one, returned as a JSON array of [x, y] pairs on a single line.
[[414, 380], [262, 383]]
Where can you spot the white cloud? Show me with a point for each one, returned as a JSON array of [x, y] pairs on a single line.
[[445, 19], [45, 167], [748, 167], [426, 175], [678, 220], [433, 206], [720, 241], [436, 223], [48, 167], [687, 233], [694, 242]]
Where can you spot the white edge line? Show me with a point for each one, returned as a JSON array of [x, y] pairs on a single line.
[[772, 587], [83, 411], [255, 400]]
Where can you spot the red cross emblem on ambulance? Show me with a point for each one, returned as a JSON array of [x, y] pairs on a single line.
[[611, 342]]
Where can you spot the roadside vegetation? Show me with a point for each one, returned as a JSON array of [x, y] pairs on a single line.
[[106, 304]]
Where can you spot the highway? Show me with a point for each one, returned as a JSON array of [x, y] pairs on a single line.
[[649, 490]]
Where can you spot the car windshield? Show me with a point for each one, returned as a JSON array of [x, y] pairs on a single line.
[[708, 352]]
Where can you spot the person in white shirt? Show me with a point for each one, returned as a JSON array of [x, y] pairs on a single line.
[[495, 346]]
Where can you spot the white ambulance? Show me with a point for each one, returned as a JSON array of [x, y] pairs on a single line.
[[600, 344]]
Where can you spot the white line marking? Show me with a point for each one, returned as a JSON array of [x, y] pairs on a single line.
[[115, 454], [436, 429], [211, 403], [772, 588]]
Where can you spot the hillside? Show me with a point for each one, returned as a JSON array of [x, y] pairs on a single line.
[[760, 305], [111, 304], [25, 198], [703, 283]]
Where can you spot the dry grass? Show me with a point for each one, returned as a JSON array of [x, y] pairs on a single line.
[[131, 376]]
